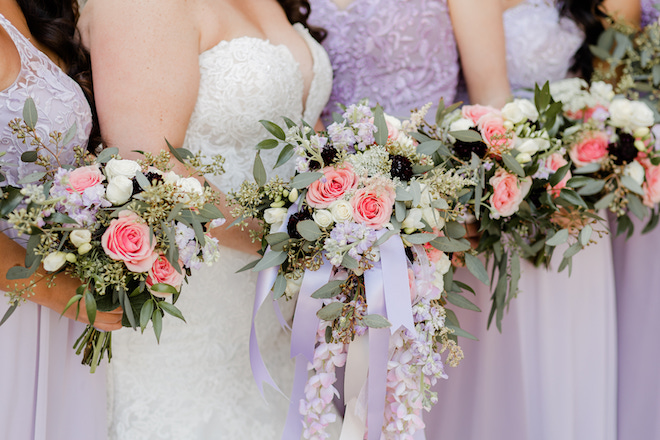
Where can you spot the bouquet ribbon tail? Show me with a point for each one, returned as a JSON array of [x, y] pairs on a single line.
[[265, 281], [397, 290], [357, 365]]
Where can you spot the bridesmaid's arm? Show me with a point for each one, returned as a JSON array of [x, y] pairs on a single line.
[[628, 11], [479, 32], [145, 64], [55, 297]]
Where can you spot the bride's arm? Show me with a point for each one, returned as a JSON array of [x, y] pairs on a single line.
[[630, 11], [55, 297], [145, 64], [479, 32]]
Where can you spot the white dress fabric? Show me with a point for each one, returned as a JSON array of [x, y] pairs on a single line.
[[197, 384], [551, 373], [45, 393]]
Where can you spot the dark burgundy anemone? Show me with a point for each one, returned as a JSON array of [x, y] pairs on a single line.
[[464, 150], [623, 150], [293, 222], [401, 167]]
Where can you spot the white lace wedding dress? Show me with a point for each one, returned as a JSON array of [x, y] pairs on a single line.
[[197, 384]]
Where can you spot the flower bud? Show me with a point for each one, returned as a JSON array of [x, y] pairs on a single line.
[[84, 248], [293, 195], [79, 237], [277, 204], [640, 145], [54, 261], [71, 257]]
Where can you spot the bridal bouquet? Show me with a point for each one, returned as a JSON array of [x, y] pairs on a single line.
[[362, 235], [523, 200], [611, 146], [130, 231]]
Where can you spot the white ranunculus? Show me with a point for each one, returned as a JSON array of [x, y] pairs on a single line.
[[322, 217], [342, 211], [171, 177], [79, 237], [119, 190], [54, 261], [635, 170], [274, 215], [461, 124], [413, 220], [602, 91], [121, 167]]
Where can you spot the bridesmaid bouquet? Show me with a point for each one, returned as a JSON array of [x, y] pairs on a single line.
[[131, 231], [612, 149], [523, 200], [362, 235]]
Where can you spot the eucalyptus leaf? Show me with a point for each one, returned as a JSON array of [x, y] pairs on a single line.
[[591, 188], [309, 230], [349, 262], [460, 332], [71, 132], [30, 116], [31, 178], [19, 272], [637, 207], [277, 237], [572, 197], [572, 250], [8, 313], [269, 260], [605, 201], [419, 238], [279, 286], [386, 236], [330, 290], [259, 171], [428, 148], [446, 244], [330, 312], [303, 180], [467, 135], [142, 180], [267, 144], [400, 211], [285, 155], [146, 312], [381, 126], [558, 238], [462, 302], [559, 174], [632, 185], [274, 129], [30, 156], [248, 266], [656, 75], [587, 169], [476, 268], [375, 321], [157, 320], [513, 165], [402, 194], [454, 229], [585, 235]]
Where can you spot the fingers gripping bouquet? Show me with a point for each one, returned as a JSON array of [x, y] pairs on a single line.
[[611, 145], [522, 200], [131, 231], [357, 234]]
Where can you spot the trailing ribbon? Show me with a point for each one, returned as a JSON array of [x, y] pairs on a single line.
[[357, 364], [397, 290]]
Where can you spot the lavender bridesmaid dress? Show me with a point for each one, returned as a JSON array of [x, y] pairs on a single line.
[[638, 307], [45, 394], [551, 374], [398, 53]]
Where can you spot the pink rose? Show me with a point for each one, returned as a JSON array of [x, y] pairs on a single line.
[[495, 135], [475, 112], [129, 239], [373, 206], [587, 113], [332, 186], [651, 184], [163, 272], [84, 177], [592, 148], [554, 162], [508, 193]]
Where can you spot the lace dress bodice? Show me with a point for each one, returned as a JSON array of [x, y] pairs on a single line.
[[540, 44], [398, 53], [197, 384], [59, 100], [649, 11]]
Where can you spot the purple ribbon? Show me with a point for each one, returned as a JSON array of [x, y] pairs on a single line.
[[294, 426], [397, 289], [379, 339]]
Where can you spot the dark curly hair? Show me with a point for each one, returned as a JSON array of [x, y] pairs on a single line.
[[588, 14], [53, 24], [297, 11]]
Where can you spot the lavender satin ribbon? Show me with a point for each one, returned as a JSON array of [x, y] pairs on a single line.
[[397, 289], [303, 342], [379, 339]]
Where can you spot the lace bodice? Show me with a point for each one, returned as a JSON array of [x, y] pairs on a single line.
[[59, 100], [649, 11], [399, 53], [540, 45], [245, 80], [197, 384]]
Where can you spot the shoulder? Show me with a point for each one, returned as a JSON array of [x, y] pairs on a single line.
[[11, 65]]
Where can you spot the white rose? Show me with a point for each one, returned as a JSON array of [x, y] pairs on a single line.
[[79, 237], [120, 167], [461, 124], [342, 211], [520, 110], [642, 115], [190, 185], [602, 92], [635, 170], [119, 190], [322, 217], [293, 283], [620, 113], [275, 216], [566, 89], [532, 145], [443, 264], [54, 261]]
